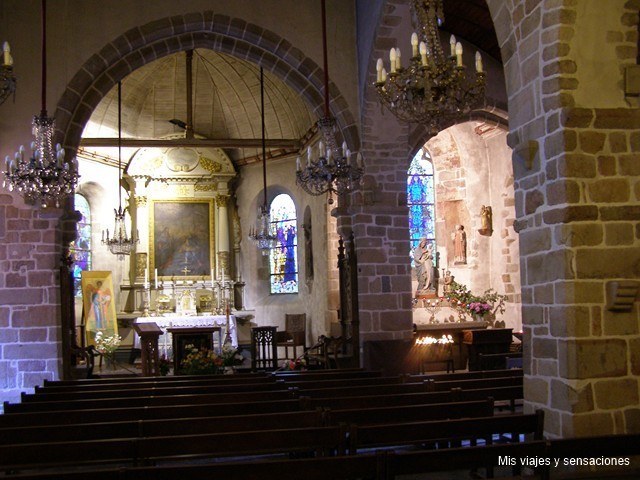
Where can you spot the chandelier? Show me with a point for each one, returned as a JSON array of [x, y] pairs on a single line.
[[120, 244], [7, 77], [45, 177], [333, 170], [433, 89], [261, 235]]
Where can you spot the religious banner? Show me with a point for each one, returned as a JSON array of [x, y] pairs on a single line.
[[98, 303], [181, 237]]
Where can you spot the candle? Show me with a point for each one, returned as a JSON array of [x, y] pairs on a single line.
[[383, 75], [379, 66], [223, 274], [146, 277], [398, 62], [452, 44], [478, 62], [392, 59], [414, 44], [155, 274], [212, 276], [423, 53], [298, 167], [459, 54], [7, 59]]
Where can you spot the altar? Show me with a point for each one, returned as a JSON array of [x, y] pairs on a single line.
[[165, 340]]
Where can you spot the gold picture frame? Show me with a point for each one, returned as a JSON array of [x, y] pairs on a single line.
[[181, 239], [98, 304]]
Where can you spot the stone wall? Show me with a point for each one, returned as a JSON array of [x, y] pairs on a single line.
[[30, 304], [577, 207]]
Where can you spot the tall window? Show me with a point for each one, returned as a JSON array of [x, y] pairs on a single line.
[[283, 258], [81, 247], [421, 200]]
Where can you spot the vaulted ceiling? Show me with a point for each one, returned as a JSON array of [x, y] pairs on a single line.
[[226, 94]]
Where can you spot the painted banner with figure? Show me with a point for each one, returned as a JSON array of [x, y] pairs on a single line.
[[98, 303]]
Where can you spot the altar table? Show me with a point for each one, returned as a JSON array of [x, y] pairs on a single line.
[[165, 340]]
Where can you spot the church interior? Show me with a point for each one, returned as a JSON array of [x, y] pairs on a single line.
[[307, 189]]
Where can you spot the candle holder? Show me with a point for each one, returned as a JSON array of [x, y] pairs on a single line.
[[432, 307]]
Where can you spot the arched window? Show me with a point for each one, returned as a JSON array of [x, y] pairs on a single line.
[[283, 257], [421, 201], [81, 247]]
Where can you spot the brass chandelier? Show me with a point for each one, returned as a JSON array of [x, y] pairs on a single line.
[[433, 89], [334, 169], [45, 177], [120, 243]]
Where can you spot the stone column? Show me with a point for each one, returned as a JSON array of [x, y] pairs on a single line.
[[223, 235]]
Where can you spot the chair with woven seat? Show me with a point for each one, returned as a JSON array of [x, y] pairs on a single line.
[[294, 334]]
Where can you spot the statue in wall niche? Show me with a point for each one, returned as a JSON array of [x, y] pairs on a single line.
[[447, 282], [486, 220], [459, 245], [423, 260]]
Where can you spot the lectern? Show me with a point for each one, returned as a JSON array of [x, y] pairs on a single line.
[[149, 333]]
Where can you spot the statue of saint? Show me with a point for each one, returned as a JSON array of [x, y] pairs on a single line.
[[423, 260], [459, 245], [486, 219], [448, 281]]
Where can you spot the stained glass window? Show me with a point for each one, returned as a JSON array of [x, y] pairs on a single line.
[[283, 258], [421, 200], [81, 247]]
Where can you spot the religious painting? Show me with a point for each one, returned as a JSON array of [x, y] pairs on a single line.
[[99, 304], [181, 237]]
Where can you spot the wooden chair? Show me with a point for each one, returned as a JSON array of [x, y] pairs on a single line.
[[332, 352], [294, 335], [264, 349]]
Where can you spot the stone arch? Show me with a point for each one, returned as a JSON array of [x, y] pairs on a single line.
[[222, 33]]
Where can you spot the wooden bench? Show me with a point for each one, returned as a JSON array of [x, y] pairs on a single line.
[[145, 383], [518, 372], [221, 424], [497, 361], [455, 395], [136, 451], [468, 384], [138, 379], [46, 396], [148, 401], [474, 429], [314, 375], [67, 417]]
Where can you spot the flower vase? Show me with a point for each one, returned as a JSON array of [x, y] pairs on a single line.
[[229, 370], [478, 317], [109, 363]]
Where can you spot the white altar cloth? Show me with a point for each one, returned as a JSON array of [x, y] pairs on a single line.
[[164, 341]]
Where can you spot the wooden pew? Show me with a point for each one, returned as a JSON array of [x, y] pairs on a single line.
[[314, 375], [455, 395], [517, 372], [469, 384], [221, 424], [148, 401], [135, 379], [149, 383], [46, 396], [364, 390], [134, 451], [411, 433], [343, 382], [68, 417]]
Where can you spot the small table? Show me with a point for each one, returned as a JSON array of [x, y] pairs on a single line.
[[200, 337]]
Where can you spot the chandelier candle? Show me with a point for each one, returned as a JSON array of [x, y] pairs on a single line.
[[433, 90]]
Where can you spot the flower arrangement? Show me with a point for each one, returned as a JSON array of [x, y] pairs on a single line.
[[200, 361], [107, 346], [297, 364], [164, 365], [487, 305], [231, 356]]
